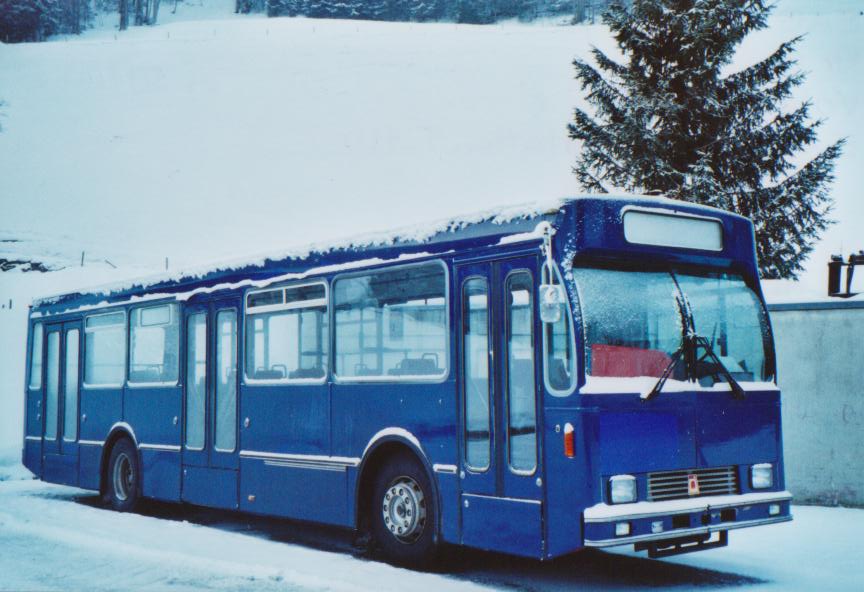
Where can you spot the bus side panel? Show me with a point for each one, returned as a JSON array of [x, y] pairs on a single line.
[[275, 488], [89, 458], [425, 411], [568, 484], [154, 413], [160, 472], [100, 410], [61, 469], [32, 457], [503, 525], [448, 496], [214, 488]]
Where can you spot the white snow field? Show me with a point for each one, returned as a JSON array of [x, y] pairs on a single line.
[[57, 538]]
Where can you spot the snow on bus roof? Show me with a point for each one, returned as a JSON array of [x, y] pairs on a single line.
[[418, 234]]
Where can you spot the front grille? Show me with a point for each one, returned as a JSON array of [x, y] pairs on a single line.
[[670, 485]]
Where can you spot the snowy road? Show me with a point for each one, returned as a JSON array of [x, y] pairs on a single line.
[[57, 538]]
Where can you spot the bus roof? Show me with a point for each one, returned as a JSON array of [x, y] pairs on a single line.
[[502, 225]]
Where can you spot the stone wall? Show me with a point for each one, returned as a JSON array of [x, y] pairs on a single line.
[[820, 354]]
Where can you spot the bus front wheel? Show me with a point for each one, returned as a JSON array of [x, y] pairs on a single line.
[[123, 477], [403, 513]]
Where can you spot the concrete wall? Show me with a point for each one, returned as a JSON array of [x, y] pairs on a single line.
[[820, 354]]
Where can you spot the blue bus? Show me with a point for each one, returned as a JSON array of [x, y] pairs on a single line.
[[591, 372]]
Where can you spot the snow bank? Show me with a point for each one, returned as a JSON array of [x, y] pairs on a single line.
[[11, 468], [795, 292]]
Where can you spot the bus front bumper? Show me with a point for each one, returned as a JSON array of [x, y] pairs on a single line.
[[624, 524]]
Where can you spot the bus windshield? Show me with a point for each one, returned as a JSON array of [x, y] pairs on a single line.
[[633, 324]]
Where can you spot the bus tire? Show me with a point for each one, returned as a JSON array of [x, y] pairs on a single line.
[[123, 477], [403, 513]]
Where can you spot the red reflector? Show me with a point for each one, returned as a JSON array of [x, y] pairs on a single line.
[[569, 441]]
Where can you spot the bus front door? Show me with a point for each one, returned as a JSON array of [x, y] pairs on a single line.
[[60, 396], [501, 498], [210, 434]]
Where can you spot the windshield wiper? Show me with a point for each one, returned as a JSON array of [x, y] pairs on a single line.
[[690, 343], [698, 341], [682, 353], [658, 386]]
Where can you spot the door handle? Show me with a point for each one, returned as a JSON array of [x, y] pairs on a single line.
[[175, 420]]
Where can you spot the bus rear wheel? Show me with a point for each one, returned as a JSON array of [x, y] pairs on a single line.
[[403, 513], [123, 477]]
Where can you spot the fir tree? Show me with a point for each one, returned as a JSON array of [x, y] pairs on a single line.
[[671, 121]]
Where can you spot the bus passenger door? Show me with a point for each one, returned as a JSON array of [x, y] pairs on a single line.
[[210, 442], [60, 449], [501, 481]]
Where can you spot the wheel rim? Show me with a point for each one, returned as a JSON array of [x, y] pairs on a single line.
[[404, 510], [123, 477]]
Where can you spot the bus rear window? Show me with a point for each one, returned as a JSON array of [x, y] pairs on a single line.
[[392, 324]]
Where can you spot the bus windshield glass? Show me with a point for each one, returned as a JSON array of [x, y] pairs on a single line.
[[633, 323]]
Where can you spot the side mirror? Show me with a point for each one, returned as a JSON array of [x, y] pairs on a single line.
[[552, 299]]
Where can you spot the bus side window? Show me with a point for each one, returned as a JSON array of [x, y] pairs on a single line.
[[475, 326], [559, 349], [521, 400], [226, 381], [287, 335], [105, 349], [154, 344], [36, 358], [52, 385], [392, 324]]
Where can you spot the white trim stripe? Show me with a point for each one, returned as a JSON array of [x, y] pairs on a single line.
[[508, 499], [162, 447], [305, 459], [91, 442]]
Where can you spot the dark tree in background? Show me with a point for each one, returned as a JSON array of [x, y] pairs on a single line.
[[35, 20], [668, 121]]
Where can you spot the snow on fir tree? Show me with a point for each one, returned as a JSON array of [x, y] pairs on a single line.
[[668, 120]]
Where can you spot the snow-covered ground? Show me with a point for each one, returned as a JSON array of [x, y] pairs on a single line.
[[58, 538]]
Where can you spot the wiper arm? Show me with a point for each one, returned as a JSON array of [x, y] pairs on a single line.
[[685, 352], [676, 358], [737, 391]]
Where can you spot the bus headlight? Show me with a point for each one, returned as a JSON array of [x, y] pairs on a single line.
[[762, 476], [622, 489]]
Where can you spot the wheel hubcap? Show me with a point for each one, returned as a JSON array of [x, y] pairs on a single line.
[[123, 477], [404, 510]]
